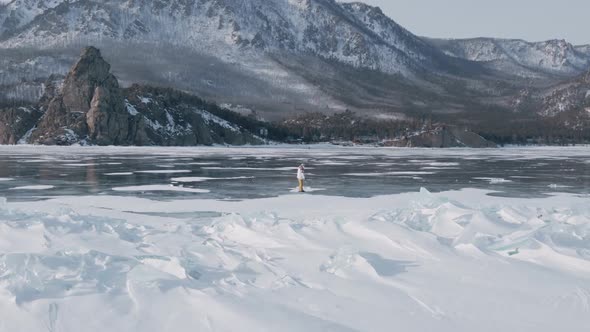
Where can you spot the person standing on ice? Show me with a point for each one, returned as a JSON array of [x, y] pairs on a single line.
[[301, 177]]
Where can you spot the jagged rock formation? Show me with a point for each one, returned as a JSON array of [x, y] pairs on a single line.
[[443, 137], [90, 108]]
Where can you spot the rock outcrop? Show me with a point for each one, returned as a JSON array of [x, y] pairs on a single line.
[[171, 117], [443, 137], [89, 107]]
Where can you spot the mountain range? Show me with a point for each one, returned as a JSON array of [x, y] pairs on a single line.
[[279, 58]]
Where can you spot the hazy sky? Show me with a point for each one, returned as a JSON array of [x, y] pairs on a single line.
[[532, 20]]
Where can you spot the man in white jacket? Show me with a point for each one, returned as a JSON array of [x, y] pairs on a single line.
[[301, 177]]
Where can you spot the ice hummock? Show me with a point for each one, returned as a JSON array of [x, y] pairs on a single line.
[[451, 261]]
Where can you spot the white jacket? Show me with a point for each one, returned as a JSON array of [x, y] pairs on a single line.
[[300, 173]]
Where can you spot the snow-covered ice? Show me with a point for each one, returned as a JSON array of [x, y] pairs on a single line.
[[203, 179], [39, 187], [493, 180], [157, 187], [372, 174], [112, 249], [290, 168], [453, 261], [164, 171], [80, 165], [308, 189]]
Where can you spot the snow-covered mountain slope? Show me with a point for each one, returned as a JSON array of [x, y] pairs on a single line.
[[89, 107], [261, 54], [583, 48], [21, 77], [15, 14], [355, 33], [568, 102], [567, 96], [553, 56], [351, 33], [564, 104], [276, 56]]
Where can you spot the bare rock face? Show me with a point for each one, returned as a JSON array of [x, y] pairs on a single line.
[[107, 119], [90, 107], [15, 123]]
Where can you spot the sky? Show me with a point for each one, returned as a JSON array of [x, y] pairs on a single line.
[[532, 20]]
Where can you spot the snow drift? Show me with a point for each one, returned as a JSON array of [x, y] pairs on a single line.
[[454, 261]]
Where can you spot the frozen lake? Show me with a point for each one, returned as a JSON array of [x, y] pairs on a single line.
[[214, 239], [245, 173]]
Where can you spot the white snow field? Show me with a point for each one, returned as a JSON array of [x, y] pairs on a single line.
[[453, 261], [130, 247]]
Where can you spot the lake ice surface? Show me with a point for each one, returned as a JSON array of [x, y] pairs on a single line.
[[215, 239], [246, 173]]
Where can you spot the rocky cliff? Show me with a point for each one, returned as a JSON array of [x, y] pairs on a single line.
[[90, 108]]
